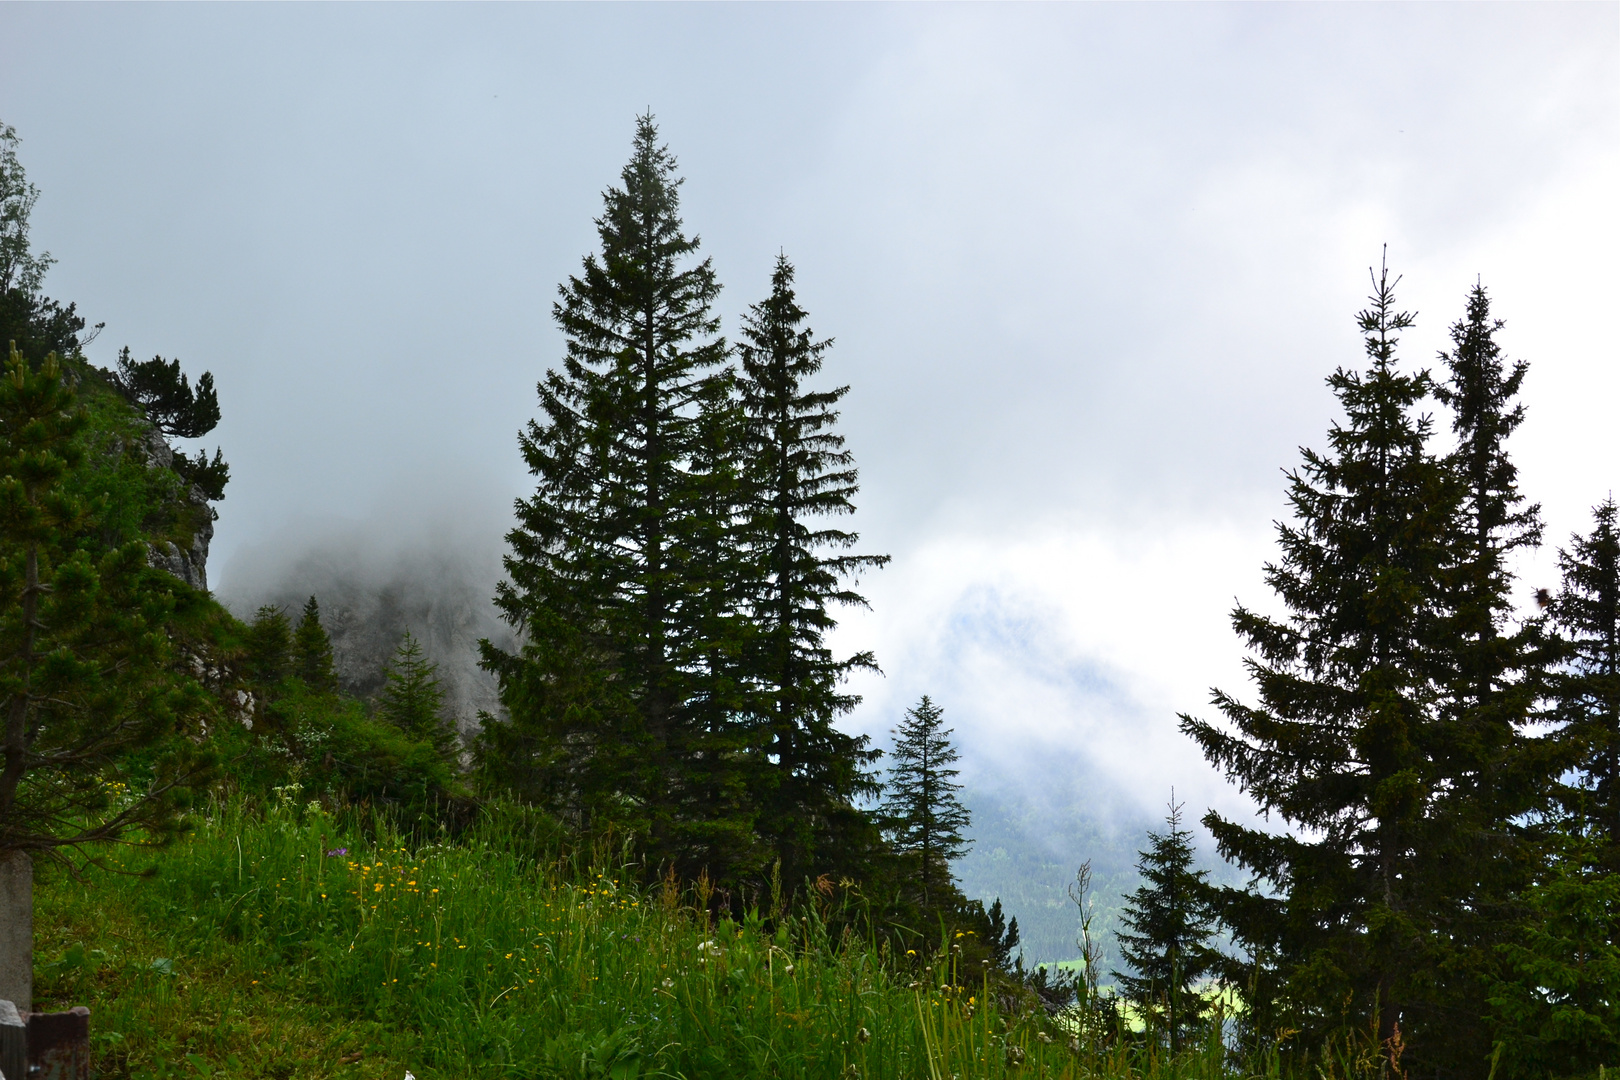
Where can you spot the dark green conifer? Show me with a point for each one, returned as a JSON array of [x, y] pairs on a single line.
[[797, 476], [1587, 611], [412, 697], [619, 698], [269, 647], [312, 651], [1490, 668], [1168, 924], [94, 696], [1001, 937], [1555, 1008], [163, 392], [1342, 745], [1490, 775], [921, 811]]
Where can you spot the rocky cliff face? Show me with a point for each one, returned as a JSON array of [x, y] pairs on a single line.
[[188, 563]]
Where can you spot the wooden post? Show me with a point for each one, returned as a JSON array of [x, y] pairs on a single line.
[[59, 1045], [13, 1043], [17, 930]]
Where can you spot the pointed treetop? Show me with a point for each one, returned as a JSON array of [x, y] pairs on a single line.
[[1379, 320], [312, 650], [413, 697]]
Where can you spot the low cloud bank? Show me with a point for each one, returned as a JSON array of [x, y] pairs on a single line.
[[374, 580], [1062, 658]]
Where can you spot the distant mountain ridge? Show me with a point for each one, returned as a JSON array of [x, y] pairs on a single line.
[[1026, 851], [1027, 854]]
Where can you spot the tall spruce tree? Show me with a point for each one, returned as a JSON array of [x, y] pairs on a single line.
[[1490, 774], [1168, 925], [1342, 743], [921, 811], [798, 474], [621, 582], [1001, 937], [270, 650], [1492, 699]]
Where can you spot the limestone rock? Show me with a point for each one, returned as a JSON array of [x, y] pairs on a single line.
[[189, 564]]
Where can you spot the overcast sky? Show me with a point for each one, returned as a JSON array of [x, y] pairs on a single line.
[[1087, 268]]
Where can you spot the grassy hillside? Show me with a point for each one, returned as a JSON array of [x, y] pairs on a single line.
[[287, 944]]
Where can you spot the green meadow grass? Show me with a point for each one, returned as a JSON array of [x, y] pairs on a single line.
[[286, 944]]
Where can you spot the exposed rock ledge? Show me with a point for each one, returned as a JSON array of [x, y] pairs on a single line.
[[190, 564]]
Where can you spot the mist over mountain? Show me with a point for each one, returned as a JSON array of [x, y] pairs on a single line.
[[376, 579], [1026, 852], [1031, 833]]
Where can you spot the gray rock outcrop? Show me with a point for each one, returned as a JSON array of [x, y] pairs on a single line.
[[189, 564]]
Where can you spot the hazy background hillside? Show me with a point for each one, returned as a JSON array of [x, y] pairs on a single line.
[[434, 579], [436, 582]]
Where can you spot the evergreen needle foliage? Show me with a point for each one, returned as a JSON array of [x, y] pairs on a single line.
[[412, 698], [164, 395], [1490, 774], [269, 659], [675, 572], [920, 810], [1002, 937], [798, 474], [1587, 610], [1166, 942], [1344, 743], [161, 390], [623, 699], [312, 651], [1436, 898], [102, 731], [1556, 1007]]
